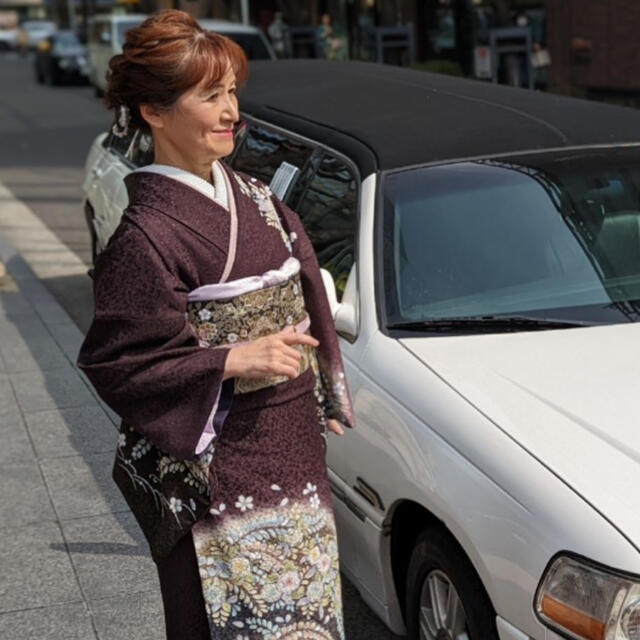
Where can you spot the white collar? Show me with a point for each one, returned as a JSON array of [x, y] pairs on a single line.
[[216, 191]]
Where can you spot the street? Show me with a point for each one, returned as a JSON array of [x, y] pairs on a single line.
[[45, 133]]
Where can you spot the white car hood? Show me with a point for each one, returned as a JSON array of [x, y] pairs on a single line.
[[571, 397]]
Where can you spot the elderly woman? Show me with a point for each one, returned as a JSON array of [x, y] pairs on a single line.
[[206, 301]]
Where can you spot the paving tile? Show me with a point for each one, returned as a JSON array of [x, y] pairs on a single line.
[[113, 416], [14, 306], [61, 622], [24, 497], [7, 251], [51, 312], [28, 328], [134, 618], [36, 569], [110, 555], [14, 437], [68, 337], [8, 402], [69, 432], [31, 288], [54, 389], [15, 263], [33, 355], [82, 485]]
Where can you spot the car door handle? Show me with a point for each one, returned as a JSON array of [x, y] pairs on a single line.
[[97, 172]]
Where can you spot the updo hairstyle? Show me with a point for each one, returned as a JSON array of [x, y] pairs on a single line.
[[168, 54]]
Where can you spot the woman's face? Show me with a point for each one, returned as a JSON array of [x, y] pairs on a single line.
[[199, 126]]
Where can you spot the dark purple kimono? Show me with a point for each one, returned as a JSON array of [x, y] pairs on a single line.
[[240, 468]]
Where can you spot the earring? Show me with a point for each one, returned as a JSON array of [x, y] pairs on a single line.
[[120, 127]]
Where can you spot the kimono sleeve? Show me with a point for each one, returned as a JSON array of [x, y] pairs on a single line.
[[337, 403], [142, 356]]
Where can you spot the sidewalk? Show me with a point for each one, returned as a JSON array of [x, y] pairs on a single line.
[[73, 563]]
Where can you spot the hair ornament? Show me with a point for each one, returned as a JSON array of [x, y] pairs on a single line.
[[120, 127]]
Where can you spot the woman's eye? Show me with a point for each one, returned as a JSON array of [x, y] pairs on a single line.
[[213, 97]]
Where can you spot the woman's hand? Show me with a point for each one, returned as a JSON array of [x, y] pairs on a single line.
[[335, 427], [269, 356]]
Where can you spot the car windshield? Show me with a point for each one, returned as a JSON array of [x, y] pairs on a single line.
[[123, 27], [67, 39], [546, 236], [38, 26], [252, 44]]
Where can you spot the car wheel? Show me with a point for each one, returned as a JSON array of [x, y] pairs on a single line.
[[98, 91], [445, 597], [39, 77]]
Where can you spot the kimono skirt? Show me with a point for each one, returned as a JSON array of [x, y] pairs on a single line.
[[266, 553]]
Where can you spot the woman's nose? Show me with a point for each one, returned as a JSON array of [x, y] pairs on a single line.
[[231, 109]]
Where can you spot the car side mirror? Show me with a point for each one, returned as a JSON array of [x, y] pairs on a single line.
[[330, 288], [345, 313]]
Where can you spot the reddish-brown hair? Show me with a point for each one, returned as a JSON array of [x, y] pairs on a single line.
[[168, 54]]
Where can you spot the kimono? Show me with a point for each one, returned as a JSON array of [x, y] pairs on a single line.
[[231, 472]]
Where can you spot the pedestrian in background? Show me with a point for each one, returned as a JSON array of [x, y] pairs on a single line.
[[205, 301], [329, 44], [278, 34]]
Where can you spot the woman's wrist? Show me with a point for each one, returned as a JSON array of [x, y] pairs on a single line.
[[231, 364]]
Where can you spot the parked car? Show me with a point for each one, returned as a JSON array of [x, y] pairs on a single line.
[[32, 32], [106, 35], [8, 38], [255, 44], [61, 58], [484, 244]]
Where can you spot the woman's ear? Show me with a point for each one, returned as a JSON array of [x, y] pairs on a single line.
[[152, 116]]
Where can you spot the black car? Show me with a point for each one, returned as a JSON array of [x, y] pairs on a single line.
[[61, 58]]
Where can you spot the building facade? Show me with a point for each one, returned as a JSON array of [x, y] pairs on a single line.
[[594, 45]]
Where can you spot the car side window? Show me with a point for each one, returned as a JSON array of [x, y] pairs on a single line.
[[142, 149], [328, 210], [262, 151]]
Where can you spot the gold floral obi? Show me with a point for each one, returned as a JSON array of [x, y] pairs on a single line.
[[237, 312]]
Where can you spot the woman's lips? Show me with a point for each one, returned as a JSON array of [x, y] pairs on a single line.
[[223, 132]]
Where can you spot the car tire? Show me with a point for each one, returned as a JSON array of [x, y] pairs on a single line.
[[440, 572], [39, 77], [98, 91]]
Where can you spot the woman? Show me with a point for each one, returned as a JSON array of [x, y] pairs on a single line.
[[205, 301]]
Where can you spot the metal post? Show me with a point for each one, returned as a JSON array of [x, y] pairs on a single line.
[[244, 11]]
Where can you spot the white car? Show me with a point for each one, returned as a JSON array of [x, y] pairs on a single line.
[[32, 32], [8, 38], [484, 244], [107, 35]]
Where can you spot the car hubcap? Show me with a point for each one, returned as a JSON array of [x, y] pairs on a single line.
[[442, 615]]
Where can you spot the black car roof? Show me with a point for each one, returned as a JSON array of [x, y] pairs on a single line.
[[386, 117]]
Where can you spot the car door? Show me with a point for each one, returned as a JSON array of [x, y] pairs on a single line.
[[106, 189], [327, 202], [324, 193]]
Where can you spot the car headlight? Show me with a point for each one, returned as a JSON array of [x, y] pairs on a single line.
[[588, 602]]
